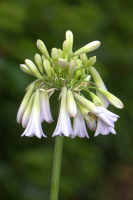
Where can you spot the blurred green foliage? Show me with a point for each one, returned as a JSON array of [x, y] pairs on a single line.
[[100, 168]]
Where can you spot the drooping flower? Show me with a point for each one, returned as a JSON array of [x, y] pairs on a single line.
[[91, 124], [106, 116], [103, 128], [63, 127], [45, 107], [24, 103], [34, 123], [79, 127]]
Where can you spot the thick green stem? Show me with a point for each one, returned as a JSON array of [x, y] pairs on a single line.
[[56, 168]]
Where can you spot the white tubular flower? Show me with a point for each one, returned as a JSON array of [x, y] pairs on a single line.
[[99, 82], [27, 111], [63, 127], [45, 107], [25, 69], [95, 99], [71, 105], [91, 124], [106, 116], [111, 98], [87, 48], [24, 103], [79, 127], [103, 128], [34, 124]]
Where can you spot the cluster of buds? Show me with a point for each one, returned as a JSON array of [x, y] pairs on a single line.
[[70, 73]]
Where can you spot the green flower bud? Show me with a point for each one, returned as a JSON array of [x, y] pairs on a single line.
[[63, 63], [71, 105], [65, 48], [111, 98], [33, 68], [71, 68], [95, 99], [78, 73], [69, 38], [91, 61], [84, 58], [54, 54], [25, 69], [87, 79], [87, 48], [79, 63], [41, 46], [60, 53], [38, 61], [47, 67]]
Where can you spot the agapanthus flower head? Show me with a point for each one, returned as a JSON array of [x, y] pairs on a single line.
[[69, 73]]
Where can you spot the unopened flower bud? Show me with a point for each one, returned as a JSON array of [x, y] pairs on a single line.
[[91, 61], [41, 46], [84, 58], [71, 68], [87, 48], [95, 99], [63, 63], [38, 61], [65, 48], [25, 69], [27, 111], [60, 53], [79, 63], [33, 68], [71, 105], [111, 98], [87, 78], [69, 38], [78, 73], [47, 67], [54, 54], [24, 103]]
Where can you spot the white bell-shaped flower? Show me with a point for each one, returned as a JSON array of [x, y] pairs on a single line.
[[34, 124], [45, 107], [63, 127], [103, 128], [79, 127]]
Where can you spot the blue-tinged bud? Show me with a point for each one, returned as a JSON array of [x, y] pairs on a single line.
[[63, 63]]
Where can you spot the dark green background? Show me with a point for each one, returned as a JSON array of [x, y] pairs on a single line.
[[100, 168]]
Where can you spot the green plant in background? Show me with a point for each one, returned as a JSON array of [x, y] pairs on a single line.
[[70, 73]]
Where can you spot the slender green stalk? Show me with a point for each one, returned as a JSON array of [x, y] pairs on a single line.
[[56, 168]]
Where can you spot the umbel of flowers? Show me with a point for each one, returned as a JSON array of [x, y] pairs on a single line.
[[70, 73]]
